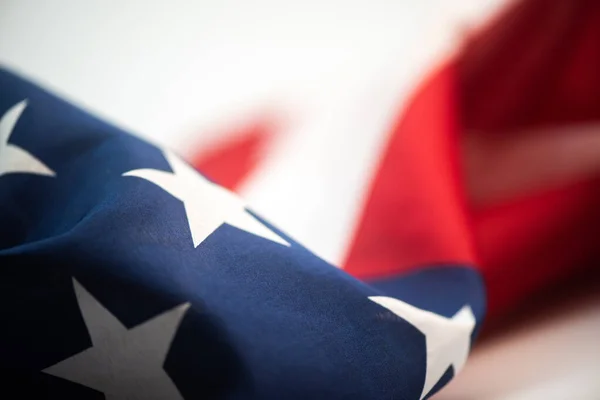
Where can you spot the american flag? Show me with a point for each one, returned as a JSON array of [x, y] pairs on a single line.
[[127, 274]]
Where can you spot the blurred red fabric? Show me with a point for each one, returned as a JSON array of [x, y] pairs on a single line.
[[533, 68]]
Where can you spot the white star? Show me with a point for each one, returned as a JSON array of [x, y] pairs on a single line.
[[124, 364], [14, 159], [448, 340], [207, 205]]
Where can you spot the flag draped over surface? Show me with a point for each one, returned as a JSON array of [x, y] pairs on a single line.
[[127, 274]]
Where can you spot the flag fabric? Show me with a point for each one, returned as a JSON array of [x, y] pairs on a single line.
[[126, 274], [493, 160]]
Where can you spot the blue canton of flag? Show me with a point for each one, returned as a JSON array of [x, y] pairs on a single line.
[[125, 274]]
